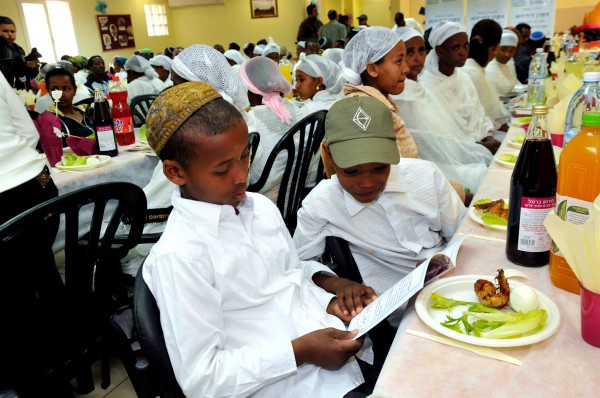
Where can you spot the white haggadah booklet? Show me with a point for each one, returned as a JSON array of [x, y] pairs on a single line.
[[426, 272]]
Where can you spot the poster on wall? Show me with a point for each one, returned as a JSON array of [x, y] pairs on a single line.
[[539, 14], [263, 8], [444, 10], [116, 32], [487, 9]]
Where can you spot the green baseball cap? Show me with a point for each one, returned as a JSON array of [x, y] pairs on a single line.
[[360, 130]]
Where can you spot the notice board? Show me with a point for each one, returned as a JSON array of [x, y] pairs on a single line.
[[116, 32]]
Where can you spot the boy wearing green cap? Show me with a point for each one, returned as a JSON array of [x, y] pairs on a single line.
[[393, 212], [241, 315]]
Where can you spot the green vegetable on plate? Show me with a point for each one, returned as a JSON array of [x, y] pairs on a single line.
[[492, 219], [508, 157], [518, 138]]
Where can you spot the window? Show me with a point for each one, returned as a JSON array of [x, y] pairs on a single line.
[[156, 19], [49, 28]]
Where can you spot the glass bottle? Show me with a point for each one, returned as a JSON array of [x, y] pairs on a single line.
[[103, 125], [532, 195]]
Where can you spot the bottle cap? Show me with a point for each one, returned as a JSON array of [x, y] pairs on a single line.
[[591, 119], [116, 78], [539, 110], [591, 77]]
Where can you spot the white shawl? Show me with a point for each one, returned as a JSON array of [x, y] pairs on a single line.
[[488, 96], [503, 77], [439, 138]]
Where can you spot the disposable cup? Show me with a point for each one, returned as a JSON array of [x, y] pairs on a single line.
[[590, 316], [557, 139], [53, 153]]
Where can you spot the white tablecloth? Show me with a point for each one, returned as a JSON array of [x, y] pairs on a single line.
[[562, 366]]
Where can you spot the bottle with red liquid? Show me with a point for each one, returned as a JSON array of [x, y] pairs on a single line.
[[532, 195], [103, 125], [121, 113]]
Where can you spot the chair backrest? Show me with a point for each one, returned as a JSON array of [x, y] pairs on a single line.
[[253, 140], [139, 108], [152, 340], [63, 319], [310, 132]]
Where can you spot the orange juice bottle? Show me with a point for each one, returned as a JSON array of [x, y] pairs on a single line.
[[578, 186]]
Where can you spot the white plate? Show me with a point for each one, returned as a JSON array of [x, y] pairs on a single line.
[[505, 163], [461, 288], [512, 143], [475, 215], [102, 158]]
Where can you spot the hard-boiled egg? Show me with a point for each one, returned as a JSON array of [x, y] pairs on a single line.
[[92, 160], [523, 298]]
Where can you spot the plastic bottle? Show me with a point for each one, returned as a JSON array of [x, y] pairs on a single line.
[[578, 186], [532, 195], [121, 113], [103, 125], [538, 69], [586, 99]]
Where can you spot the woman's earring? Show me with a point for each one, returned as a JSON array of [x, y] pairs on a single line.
[[318, 87]]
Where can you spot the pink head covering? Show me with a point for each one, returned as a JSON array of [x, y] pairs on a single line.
[[263, 77]]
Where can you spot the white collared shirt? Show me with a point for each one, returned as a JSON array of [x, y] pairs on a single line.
[[412, 219], [232, 295]]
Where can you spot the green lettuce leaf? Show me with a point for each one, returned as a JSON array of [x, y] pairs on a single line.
[[508, 157], [492, 219]]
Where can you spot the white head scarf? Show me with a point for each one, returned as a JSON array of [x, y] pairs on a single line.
[[271, 47], [317, 66], [413, 23], [439, 34], [333, 54], [205, 64], [263, 77], [258, 49], [369, 45], [235, 56], [407, 33], [162, 60], [140, 65], [509, 38]]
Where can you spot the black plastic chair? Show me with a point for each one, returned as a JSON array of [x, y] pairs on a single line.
[[310, 131], [60, 326], [155, 370], [254, 140], [139, 108]]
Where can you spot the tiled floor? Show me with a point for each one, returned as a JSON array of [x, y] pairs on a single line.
[[120, 386]]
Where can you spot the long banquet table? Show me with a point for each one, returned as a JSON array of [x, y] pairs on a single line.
[[564, 365]]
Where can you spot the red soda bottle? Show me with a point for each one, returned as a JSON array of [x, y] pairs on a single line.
[[121, 113]]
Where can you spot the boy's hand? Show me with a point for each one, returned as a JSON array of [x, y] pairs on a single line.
[[352, 297], [328, 348], [491, 144]]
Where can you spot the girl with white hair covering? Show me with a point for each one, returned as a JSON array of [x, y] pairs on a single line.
[[439, 138], [195, 63], [374, 65], [443, 77], [485, 39], [318, 81], [162, 66], [141, 78], [234, 57], [272, 51], [272, 119], [501, 72]]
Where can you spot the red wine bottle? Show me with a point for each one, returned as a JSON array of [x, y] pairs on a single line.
[[103, 125], [532, 195]]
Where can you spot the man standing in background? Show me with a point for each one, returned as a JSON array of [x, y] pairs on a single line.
[[309, 28], [333, 30]]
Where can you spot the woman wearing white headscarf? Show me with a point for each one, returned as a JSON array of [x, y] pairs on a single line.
[[272, 119], [373, 65], [162, 66], [335, 55], [141, 78], [272, 51], [485, 38], [195, 63], [439, 138], [443, 77], [501, 72], [318, 82]]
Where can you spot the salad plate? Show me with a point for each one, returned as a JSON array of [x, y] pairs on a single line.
[[507, 159], [476, 215], [461, 288], [516, 140], [103, 159]]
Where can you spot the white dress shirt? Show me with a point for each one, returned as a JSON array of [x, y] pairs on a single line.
[[19, 161], [488, 96], [459, 95], [232, 295], [502, 76], [411, 220]]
